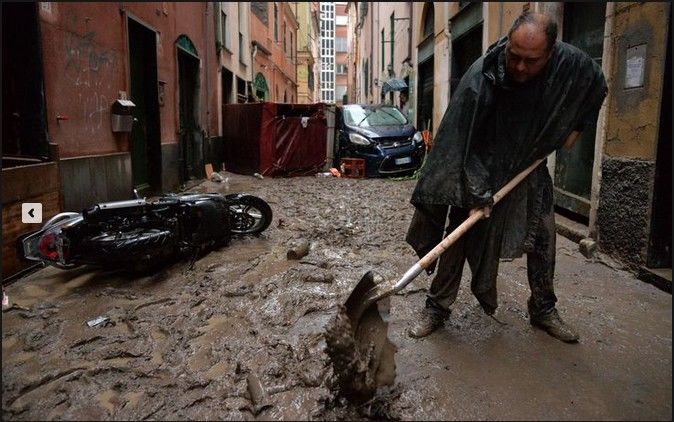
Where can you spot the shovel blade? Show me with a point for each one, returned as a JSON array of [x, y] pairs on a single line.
[[372, 349], [359, 299]]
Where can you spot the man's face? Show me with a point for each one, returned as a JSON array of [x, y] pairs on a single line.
[[526, 53]]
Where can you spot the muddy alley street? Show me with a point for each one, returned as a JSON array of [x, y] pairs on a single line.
[[241, 335]]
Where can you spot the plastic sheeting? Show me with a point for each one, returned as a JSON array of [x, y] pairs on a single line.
[[274, 139]]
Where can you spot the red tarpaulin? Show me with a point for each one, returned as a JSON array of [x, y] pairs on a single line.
[[274, 139]]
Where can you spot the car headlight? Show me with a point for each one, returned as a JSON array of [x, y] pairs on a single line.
[[418, 138], [359, 139]]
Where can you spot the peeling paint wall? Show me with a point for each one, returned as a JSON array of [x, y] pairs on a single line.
[[85, 54], [628, 165], [633, 112], [85, 60], [83, 70]]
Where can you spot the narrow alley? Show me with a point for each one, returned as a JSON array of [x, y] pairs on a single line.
[[194, 344], [139, 285]]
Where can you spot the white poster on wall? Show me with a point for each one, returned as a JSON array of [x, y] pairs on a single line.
[[634, 66]]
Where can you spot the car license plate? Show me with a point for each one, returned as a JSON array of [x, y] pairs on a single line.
[[404, 160]]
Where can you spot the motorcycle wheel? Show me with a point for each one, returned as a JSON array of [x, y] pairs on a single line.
[[250, 215], [138, 250]]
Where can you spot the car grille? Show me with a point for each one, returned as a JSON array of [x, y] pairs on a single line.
[[394, 142], [388, 165]]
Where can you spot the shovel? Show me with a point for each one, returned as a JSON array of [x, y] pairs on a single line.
[[358, 345], [366, 293]]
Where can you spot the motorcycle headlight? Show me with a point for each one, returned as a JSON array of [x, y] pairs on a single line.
[[417, 137], [359, 139]]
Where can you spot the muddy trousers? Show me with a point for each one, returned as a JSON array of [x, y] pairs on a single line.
[[540, 266]]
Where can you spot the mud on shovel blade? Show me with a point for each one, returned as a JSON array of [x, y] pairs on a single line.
[[363, 358], [361, 306]]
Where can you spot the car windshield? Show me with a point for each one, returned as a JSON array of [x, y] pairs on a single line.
[[379, 116]]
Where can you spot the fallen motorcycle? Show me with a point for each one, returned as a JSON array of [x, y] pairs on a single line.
[[138, 235]]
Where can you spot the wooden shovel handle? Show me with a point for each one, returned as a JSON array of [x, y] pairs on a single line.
[[435, 253]]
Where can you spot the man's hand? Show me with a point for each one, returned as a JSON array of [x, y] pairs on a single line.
[[486, 210]]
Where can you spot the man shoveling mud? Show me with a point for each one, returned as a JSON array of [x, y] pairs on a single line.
[[526, 97]]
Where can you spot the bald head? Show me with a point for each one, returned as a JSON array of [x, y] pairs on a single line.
[[529, 46], [536, 23]]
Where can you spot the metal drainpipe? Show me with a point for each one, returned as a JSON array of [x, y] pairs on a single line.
[[371, 67], [607, 68], [409, 34], [208, 102], [412, 99], [252, 65]]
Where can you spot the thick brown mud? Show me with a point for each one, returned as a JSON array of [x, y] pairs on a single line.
[[362, 357], [360, 351], [246, 333]]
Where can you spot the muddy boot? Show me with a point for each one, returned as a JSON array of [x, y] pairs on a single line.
[[428, 320], [553, 324]]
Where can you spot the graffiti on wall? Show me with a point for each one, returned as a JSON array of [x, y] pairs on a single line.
[[90, 69]]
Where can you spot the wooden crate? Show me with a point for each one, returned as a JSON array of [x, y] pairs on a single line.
[[353, 167]]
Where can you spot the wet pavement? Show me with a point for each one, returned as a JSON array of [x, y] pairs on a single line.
[[241, 336]]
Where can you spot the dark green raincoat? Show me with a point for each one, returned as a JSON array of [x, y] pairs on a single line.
[[492, 130]]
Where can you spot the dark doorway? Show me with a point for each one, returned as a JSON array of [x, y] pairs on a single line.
[[190, 134], [465, 50], [660, 244], [584, 28], [426, 69], [24, 133], [227, 85], [145, 135], [425, 99], [240, 90]]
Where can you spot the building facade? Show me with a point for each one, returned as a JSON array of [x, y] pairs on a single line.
[[383, 52], [341, 59], [352, 41], [232, 39], [613, 180], [327, 20], [235, 72], [62, 79], [273, 32], [308, 58]]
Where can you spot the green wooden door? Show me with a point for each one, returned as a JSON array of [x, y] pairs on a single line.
[[145, 137], [138, 138], [190, 131]]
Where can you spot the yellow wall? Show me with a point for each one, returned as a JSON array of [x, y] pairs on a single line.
[[633, 114], [304, 19]]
